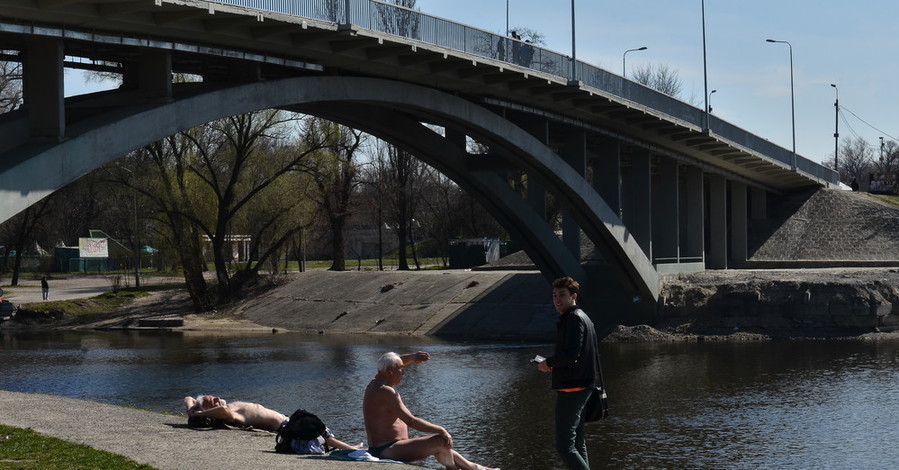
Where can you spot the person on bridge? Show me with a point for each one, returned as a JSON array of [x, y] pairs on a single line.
[[574, 366], [387, 420], [208, 411]]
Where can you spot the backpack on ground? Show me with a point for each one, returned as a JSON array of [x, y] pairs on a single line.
[[302, 425]]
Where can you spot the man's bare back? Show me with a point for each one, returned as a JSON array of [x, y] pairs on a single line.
[[387, 420]]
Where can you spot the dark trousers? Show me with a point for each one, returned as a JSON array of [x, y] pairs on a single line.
[[570, 442]]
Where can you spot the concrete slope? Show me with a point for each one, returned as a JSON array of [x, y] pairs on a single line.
[[496, 304], [829, 225]]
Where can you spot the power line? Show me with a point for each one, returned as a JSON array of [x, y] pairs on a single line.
[[843, 108]]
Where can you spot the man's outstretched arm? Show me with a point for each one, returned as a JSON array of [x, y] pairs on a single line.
[[416, 357]]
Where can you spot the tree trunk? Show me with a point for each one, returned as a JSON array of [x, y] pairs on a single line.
[[338, 243]]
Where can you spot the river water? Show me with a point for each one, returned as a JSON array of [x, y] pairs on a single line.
[[779, 405]]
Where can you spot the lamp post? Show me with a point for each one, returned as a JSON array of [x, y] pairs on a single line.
[[624, 59], [507, 17], [573, 55], [705, 74], [709, 103], [836, 131], [792, 97]]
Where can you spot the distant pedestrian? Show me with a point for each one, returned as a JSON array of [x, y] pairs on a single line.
[[45, 288]]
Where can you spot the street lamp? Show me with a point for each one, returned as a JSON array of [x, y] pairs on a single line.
[[705, 74], [792, 97], [507, 17], [836, 131], [573, 56], [624, 59], [709, 101]]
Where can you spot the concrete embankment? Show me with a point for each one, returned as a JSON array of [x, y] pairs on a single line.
[[451, 304], [161, 440]]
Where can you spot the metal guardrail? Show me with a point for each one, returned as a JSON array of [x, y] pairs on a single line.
[[400, 21]]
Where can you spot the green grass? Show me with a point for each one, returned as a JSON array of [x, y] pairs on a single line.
[[90, 308], [889, 199], [24, 449]]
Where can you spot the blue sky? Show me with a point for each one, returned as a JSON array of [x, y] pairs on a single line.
[[850, 44]]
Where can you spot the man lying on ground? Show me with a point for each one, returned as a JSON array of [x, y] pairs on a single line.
[[209, 411]]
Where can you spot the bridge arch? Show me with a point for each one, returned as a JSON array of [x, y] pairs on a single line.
[[386, 108]]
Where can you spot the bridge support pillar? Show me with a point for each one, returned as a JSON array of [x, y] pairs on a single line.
[[717, 255], [665, 222], [639, 221], [607, 174], [738, 222], [693, 217], [539, 128], [575, 153], [43, 88], [155, 80], [758, 203]]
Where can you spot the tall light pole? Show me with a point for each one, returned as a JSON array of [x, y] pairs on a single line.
[[705, 74], [708, 103], [624, 59], [507, 17], [573, 55], [792, 98], [836, 131]]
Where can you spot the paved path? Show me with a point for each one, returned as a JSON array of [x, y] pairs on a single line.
[[70, 287], [160, 440]]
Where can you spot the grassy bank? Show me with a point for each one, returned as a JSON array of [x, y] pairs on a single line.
[[24, 449]]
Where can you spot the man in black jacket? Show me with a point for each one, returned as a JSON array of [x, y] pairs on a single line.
[[574, 366]]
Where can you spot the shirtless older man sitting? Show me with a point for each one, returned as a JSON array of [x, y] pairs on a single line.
[[387, 420], [238, 413]]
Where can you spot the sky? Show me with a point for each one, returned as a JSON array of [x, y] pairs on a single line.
[[849, 44]]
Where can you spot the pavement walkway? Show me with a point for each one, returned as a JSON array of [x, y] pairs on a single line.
[[71, 287], [161, 440]]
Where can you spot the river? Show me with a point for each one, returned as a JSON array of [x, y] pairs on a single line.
[[779, 404]]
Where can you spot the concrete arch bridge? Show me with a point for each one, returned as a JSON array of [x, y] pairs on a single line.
[[655, 184]]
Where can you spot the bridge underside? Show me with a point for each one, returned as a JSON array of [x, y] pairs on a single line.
[[647, 209]]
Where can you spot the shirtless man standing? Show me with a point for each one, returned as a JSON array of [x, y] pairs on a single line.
[[387, 420], [238, 413]]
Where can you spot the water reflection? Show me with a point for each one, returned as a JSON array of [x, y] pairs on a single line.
[[757, 405]]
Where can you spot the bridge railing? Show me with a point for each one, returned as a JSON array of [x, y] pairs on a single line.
[[412, 24]]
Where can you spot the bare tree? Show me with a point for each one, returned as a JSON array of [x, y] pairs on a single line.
[[855, 159], [10, 85], [20, 233], [334, 170], [660, 78]]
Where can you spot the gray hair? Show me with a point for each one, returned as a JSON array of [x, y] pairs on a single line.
[[389, 361]]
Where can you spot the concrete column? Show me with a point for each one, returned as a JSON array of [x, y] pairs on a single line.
[[758, 203], [640, 222], [717, 255], [458, 138], [738, 222], [607, 174], [575, 153], [538, 128], [155, 74], [43, 87], [665, 210], [693, 220]]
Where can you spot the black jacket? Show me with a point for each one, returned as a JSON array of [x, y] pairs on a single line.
[[575, 362]]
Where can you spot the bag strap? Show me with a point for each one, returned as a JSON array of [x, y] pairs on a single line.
[[581, 314]]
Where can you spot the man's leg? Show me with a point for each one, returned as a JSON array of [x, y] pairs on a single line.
[[420, 448], [570, 428], [411, 450]]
